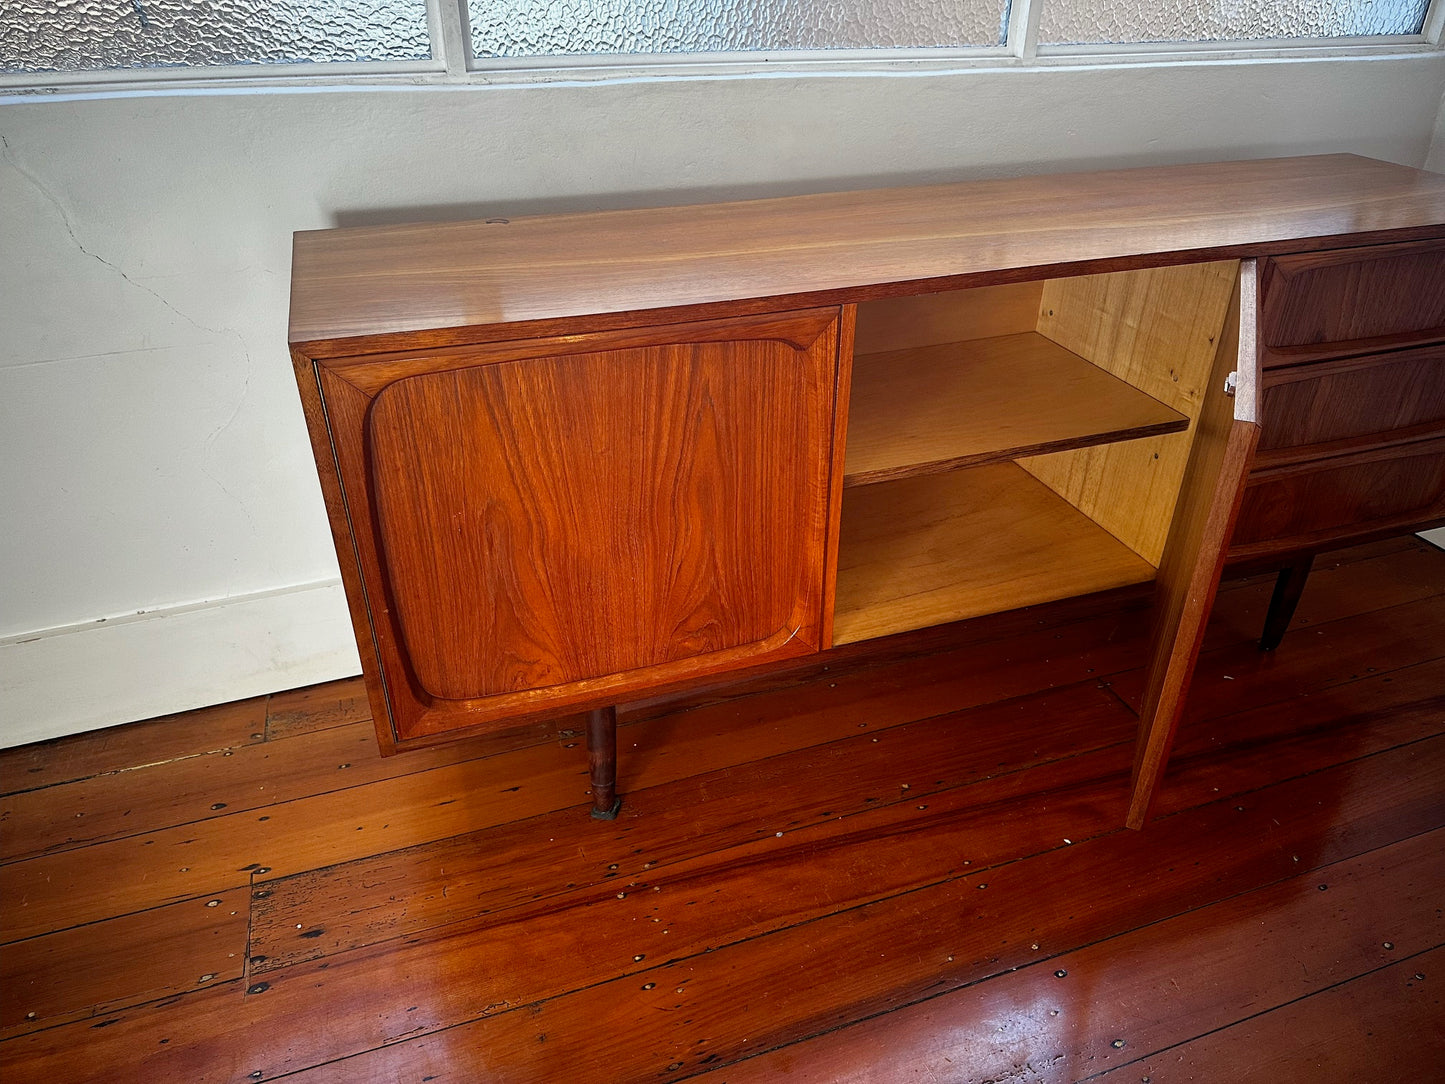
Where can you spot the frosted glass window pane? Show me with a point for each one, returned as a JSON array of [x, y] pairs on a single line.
[[1078, 22], [521, 28], [90, 35]]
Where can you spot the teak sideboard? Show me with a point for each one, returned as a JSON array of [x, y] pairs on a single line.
[[576, 460]]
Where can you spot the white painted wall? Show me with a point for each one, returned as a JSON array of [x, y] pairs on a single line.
[[163, 542], [1436, 158]]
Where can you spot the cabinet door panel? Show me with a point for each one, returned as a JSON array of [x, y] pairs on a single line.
[[552, 530], [1209, 500]]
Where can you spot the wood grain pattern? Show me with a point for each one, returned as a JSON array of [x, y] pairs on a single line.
[[564, 531], [421, 280], [374, 370], [546, 499], [1351, 296], [545, 522], [395, 811], [203, 788], [1159, 331], [316, 707], [74, 973], [1298, 505], [501, 874], [1380, 711], [1199, 533], [346, 403], [1382, 1025], [402, 894], [872, 958], [1408, 634], [98, 752], [1191, 967], [1354, 397], [936, 408], [175, 863], [937, 548], [1330, 775]]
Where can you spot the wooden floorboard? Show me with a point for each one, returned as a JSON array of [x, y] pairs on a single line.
[[1338, 586], [809, 976], [690, 819], [226, 849], [125, 748], [1382, 1026], [868, 867], [1148, 990], [83, 971]]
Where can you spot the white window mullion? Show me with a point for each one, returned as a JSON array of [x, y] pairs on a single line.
[[451, 39], [1023, 28], [1434, 28]]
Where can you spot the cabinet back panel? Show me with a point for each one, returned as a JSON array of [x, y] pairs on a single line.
[[900, 323], [1158, 329]]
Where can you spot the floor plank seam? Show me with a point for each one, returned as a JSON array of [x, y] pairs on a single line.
[[532, 909], [1083, 946], [1336, 757], [1265, 1012], [128, 914], [901, 800], [972, 873], [1238, 795]]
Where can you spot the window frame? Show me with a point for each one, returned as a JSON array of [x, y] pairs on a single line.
[[453, 64]]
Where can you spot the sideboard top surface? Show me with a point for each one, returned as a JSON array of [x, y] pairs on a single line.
[[364, 282]]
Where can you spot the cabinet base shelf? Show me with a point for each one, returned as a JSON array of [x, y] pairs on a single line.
[[943, 547]]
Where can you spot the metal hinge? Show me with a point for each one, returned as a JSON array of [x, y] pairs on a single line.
[[1230, 383]]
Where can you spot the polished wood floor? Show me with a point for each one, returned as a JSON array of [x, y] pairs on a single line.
[[906, 866]]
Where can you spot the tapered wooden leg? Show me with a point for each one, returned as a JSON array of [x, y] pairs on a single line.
[[602, 761], [1287, 591]]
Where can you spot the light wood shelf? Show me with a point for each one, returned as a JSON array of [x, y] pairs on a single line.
[[942, 547], [930, 409]]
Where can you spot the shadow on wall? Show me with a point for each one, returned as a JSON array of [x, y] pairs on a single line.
[[678, 197]]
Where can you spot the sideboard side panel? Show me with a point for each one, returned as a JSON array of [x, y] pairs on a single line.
[[313, 407]]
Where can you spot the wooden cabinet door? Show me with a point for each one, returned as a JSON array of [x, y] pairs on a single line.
[[1204, 516], [554, 524]]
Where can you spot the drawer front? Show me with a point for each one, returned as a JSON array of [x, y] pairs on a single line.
[[1354, 397], [1353, 295], [1331, 500]]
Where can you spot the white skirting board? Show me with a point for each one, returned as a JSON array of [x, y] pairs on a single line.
[[85, 677]]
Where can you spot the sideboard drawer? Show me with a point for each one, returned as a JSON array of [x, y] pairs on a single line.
[[1353, 397], [1353, 295], [1299, 505]]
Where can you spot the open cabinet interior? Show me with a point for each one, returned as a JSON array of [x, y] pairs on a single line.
[[1016, 444]]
